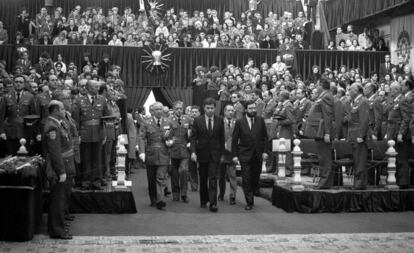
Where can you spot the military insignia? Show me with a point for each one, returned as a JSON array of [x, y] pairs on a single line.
[[52, 135]]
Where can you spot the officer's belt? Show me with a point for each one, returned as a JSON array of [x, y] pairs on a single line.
[[67, 154], [92, 122]]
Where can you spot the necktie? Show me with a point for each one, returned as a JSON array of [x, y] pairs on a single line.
[[388, 66], [252, 122], [210, 128], [179, 121], [93, 100], [159, 123], [18, 97], [229, 123]]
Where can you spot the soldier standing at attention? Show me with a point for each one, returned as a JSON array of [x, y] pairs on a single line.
[[179, 152], [87, 112], [319, 127], [61, 168], [153, 151], [19, 103], [358, 125]]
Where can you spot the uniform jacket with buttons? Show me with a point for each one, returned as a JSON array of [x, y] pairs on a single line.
[[394, 117], [405, 105], [151, 141], [358, 120], [180, 136], [285, 125], [15, 112], [84, 112], [58, 141], [320, 117], [375, 115]]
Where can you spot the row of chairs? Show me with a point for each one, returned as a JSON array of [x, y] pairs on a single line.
[[343, 157]]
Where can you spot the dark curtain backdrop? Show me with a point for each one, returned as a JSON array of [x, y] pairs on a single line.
[[340, 12], [366, 61], [174, 94], [136, 96]]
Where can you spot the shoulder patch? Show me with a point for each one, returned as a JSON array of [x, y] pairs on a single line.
[[52, 135]]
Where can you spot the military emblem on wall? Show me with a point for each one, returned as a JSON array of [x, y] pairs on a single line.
[[404, 45], [156, 58]]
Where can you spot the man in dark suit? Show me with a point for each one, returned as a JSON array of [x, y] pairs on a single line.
[[249, 148], [319, 126], [358, 134], [385, 68], [207, 146]]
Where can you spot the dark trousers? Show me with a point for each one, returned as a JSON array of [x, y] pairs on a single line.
[[360, 153], [91, 171], [179, 177], [152, 187], [192, 167], [56, 217], [69, 185], [209, 173], [325, 163], [402, 175], [106, 155], [250, 178]]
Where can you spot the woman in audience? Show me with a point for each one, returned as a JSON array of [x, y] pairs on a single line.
[[115, 41]]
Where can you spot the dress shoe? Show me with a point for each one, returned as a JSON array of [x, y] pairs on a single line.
[[248, 207], [63, 237], [70, 217], [213, 208], [161, 205], [203, 205], [184, 199], [232, 201], [220, 198]]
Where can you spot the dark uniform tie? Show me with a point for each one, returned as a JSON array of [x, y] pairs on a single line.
[[229, 123], [179, 121], [252, 122], [93, 100], [18, 97], [159, 123], [210, 128]]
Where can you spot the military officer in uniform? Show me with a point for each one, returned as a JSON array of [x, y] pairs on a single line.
[[358, 134], [375, 111], [301, 109], [153, 151], [19, 103], [179, 152], [404, 135], [318, 125], [60, 168], [87, 112], [396, 130]]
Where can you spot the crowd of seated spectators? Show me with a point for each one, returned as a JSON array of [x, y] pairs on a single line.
[[368, 40], [199, 29], [256, 81]]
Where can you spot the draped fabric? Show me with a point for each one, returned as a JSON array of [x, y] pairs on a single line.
[[398, 25], [137, 96], [340, 12], [366, 61], [174, 94]]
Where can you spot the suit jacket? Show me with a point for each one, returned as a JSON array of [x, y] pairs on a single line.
[[339, 114], [320, 117], [247, 142], [208, 145], [151, 141], [383, 70], [358, 120]]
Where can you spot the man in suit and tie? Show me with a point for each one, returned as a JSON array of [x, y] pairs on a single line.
[[249, 148], [319, 127], [227, 167], [385, 68], [358, 125], [207, 146]]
